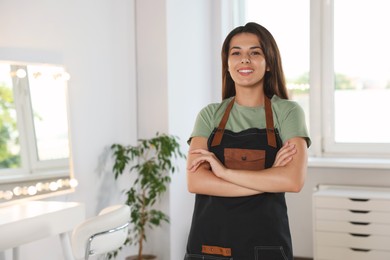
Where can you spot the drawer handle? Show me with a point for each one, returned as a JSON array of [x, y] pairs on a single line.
[[361, 200], [359, 235], [359, 223], [359, 211], [360, 249]]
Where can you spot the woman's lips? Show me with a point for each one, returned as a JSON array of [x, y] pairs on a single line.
[[245, 71]]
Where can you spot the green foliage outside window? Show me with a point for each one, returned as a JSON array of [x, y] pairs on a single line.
[[7, 128]]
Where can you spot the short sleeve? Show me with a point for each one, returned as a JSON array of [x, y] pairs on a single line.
[[204, 123], [293, 123]]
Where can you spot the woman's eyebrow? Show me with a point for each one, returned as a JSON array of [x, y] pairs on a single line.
[[239, 48]]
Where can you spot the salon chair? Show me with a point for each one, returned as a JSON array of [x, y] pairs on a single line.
[[101, 234]]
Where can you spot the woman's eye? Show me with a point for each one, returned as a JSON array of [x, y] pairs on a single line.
[[255, 53], [235, 53]]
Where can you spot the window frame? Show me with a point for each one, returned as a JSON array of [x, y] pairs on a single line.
[[330, 148], [32, 171]]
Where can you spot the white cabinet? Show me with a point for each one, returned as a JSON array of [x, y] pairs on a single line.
[[351, 223]]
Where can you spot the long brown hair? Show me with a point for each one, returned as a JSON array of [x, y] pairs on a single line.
[[274, 80]]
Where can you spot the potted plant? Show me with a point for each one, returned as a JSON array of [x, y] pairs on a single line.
[[151, 163]]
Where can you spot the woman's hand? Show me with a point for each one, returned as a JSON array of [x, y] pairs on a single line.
[[284, 155], [205, 156]]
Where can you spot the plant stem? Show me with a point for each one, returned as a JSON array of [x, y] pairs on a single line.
[[142, 231]]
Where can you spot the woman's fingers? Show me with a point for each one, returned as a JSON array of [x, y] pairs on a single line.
[[285, 155], [199, 160], [204, 156], [196, 163]]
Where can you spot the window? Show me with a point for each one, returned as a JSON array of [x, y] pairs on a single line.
[[34, 144], [361, 79], [340, 48]]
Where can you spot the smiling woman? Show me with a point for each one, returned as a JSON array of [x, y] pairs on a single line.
[[34, 144], [245, 153]]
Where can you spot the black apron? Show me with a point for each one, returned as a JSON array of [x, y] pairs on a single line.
[[242, 228]]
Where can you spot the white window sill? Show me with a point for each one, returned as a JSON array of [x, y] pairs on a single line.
[[361, 163]]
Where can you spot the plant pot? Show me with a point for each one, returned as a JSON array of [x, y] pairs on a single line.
[[144, 257]]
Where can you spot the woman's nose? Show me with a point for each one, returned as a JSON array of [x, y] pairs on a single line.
[[245, 60]]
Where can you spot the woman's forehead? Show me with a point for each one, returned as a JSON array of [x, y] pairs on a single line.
[[244, 39]]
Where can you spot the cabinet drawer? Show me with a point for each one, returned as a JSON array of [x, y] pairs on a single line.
[[352, 203], [352, 227], [352, 215], [340, 253], [369, 242]]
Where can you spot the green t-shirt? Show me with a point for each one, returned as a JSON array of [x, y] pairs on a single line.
[[289, 119]]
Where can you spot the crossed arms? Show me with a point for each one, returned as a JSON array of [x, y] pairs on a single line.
[[207, 175]]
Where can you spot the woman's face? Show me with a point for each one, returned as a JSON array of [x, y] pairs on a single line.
[[246, 61]]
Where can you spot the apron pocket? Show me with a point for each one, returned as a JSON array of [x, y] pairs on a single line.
[[270, 253], [244, 159], [205, 257]]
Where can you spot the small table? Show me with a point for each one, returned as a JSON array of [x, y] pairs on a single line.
[[29, 221]]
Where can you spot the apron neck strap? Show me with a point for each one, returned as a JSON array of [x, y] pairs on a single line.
[[221, 128], [268, 117], [269, 120]]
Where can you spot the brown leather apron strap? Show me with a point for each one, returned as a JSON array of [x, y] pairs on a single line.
[[221, 128], [271, 137]]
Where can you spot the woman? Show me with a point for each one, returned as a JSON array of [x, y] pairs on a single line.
[[245, 153]]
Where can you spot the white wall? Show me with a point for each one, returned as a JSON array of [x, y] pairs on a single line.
[[152, 94], [95, 41]]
